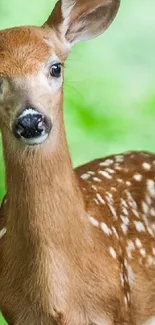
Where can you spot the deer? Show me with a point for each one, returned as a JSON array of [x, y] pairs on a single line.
[[77, 246]]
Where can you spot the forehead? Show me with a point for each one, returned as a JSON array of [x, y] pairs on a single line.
[[24, 49]]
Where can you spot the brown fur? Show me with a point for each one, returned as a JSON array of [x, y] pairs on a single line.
[[56, 267]]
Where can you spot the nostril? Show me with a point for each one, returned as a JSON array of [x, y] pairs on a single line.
[[41, 126]]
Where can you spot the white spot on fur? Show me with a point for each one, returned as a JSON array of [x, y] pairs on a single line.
[[128, 297], [94, 187], [125, 220], [151, 187], [91, 173], [153, 226], [124, 207], [132, 204], [150, 231], [138, 243], [105, 174], [110, 201], [100, 199], [120, 181], [128, 183], [113, 211], [152, 212], [96, 179], [106, 229], [146, 166], [139, 226], [117, 167], [124, 228], [137, 177], [110, 196], [148, 199], [3, 232], [131, 245], [112, 252], [115, 232], [85, 176], [110, 171], [131, 201], [142, 252], [125, 301], [145, 207], [126, 263], [130, 248], [95, 200], [150, 260], [145, 218], [94, 222], [122, 280], [119, 158], [124, 203], [129, 254], [107, 162]]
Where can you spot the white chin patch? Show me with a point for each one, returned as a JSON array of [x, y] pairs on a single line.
[[34, 141]]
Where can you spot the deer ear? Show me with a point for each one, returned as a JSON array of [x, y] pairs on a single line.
[[79, 20]]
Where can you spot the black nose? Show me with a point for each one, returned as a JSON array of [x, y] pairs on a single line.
[[31, 124]]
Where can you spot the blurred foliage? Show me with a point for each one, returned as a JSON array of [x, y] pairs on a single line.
[[110, 81]]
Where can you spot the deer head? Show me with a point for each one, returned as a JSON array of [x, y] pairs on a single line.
[[31, 68]]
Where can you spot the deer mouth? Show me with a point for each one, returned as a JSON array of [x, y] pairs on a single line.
[[32, 127]]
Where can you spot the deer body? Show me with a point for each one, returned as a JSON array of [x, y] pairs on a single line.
[[77, 247], [92, 264]]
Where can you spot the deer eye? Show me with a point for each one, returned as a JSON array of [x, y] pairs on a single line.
[[55, 70]]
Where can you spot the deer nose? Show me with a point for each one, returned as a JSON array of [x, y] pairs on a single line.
[[31, 127]]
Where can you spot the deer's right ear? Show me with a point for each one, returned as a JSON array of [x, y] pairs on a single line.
[[79, 20]]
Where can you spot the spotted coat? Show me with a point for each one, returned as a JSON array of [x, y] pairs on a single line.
[[119, 195]]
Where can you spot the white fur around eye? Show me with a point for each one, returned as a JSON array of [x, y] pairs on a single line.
[[55, 83], [49, 83]]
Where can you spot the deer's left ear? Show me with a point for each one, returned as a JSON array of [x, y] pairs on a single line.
[[79, 20]]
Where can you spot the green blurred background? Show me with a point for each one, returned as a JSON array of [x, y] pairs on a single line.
[[110, 81]]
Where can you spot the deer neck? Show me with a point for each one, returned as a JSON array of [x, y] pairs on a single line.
[[44, 198], [47, 227]]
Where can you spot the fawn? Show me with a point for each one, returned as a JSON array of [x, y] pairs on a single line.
[[77, 246]]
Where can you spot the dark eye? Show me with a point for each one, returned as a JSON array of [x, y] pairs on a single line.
[[55, 70]]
